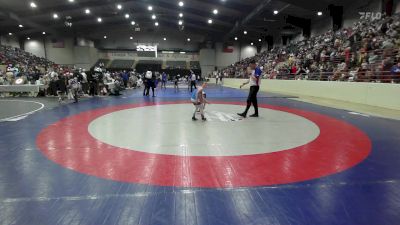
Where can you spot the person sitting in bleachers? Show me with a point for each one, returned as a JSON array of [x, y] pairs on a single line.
[[334, 54], [395, 72]]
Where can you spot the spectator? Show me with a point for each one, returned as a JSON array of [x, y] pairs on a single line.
[[395, 72], [333, 55]]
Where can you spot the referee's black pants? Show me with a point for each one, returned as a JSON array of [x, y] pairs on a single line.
[[252, 99], [192, 84]]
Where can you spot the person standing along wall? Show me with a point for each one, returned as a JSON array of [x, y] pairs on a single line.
[[164, 80]]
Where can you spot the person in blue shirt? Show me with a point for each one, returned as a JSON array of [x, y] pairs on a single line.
[[395, 72], [164, 80], [254, 81], [125, 78]]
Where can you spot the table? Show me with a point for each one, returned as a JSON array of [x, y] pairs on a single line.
[[110, 85], [33, 90]]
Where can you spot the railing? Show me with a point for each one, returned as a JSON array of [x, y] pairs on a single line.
[[349, 76], [374, 72]]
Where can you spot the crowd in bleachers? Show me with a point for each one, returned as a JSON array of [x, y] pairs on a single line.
[[18, 67], [18, 63], [367, 51], [195, 65], [23, 60]]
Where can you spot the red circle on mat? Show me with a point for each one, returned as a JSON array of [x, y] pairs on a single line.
[[339, 146]]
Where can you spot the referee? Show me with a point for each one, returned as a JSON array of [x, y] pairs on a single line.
[[255, 79]]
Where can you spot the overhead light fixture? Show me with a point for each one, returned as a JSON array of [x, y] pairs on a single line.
[[181, 15], [132, 23], [28, 38], [71, 0], [33, 5], [236, 38], [131, 38], [252, 43], [20, 26], [153, 17], [55, 16], [119, 6], [156, 24], [10, 34], [180, 22], [127, 16], [181, 4], [215, 11], [276, 12], [99, 19], [150, 8], [245, 32], [182, 52], [87, 11], [259, 40], [43, 33], [105, 37], [165, 39], [319, 13], [188, 39], [210, 21]]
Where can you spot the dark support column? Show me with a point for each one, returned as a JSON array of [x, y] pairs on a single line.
[[336, 13], [240, 51], [285, 40], [270, 41], [387, 7], [21, 42], [259, 47], [44, 47], [304, 24]]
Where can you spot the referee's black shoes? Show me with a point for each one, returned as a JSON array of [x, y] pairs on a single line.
[[242, 115]]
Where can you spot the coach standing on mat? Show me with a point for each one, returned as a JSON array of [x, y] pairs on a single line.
[[255, 80]]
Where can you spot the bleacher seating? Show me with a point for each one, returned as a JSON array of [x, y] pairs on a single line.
[[144, 65], [367, 51], [121, 64], [104, 62], [176, 65], [194, 65], [24, 61]]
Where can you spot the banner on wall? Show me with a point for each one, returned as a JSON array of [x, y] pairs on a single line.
[[228, 48], [176, 56], [147, 48], [58, 43]]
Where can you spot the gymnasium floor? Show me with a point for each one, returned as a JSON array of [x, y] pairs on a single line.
[[142, 161]]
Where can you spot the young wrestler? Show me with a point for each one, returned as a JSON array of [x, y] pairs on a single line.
[[199, 102]]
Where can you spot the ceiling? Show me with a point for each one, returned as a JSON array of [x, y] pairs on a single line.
[[234, 16]]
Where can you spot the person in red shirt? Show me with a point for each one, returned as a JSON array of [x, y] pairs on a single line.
[[293, 71]]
